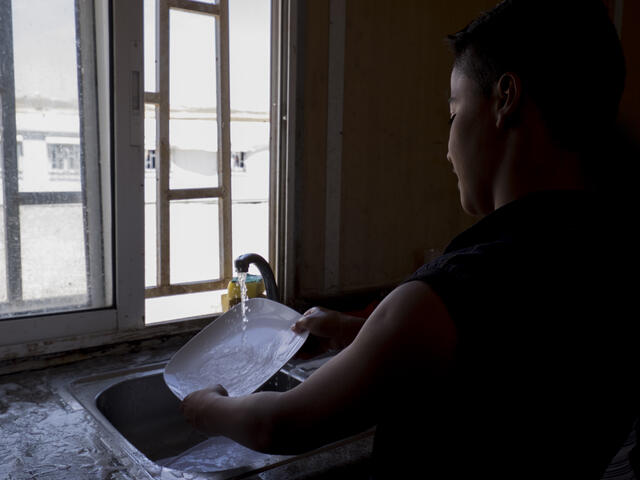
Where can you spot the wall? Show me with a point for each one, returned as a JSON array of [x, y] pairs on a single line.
[[398, 195], [630, 36]]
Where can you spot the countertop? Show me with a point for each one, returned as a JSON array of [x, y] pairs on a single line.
[[46, 434]]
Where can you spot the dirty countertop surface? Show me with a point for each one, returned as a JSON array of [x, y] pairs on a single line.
[[46, 434]]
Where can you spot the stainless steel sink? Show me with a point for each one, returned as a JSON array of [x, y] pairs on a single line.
[[142, 411], [147, 414], [144, 422], [143, 415]]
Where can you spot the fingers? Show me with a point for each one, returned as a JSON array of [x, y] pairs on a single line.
[[319, 321], [214, 390], [199, 397], [195, 406], [311, 311], [221, 390], [302, 325]]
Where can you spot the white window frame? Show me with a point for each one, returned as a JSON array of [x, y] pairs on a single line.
[[121, 108]]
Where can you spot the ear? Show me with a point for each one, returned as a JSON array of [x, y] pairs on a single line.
[[508, 95]]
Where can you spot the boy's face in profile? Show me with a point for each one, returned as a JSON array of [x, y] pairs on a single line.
[[473, 147]]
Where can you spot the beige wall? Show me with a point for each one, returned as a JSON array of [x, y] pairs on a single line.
[[630, 35], [398, 195], [311, 176]]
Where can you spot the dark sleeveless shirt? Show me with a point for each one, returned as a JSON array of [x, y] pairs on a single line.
[[546, 360]]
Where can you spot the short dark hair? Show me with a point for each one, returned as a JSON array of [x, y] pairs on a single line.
[[567, 54]]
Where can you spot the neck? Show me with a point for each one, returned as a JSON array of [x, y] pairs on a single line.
[[532, 163]]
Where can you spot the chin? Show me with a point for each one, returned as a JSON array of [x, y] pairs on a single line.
[[471, 208], [465, 205]]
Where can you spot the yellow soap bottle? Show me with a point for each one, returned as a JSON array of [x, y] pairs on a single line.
[[255, 288]]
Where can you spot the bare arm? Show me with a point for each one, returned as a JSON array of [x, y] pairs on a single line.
[[411, 327]]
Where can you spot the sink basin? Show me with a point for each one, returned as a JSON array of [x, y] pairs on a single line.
[[138, 408], [142, 416], [141, 410], [147, 414]]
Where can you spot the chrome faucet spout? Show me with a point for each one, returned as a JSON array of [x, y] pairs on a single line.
[[242, 265]]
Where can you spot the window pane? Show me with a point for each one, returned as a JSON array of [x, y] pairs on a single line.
[[53, 252], [250, 55], [251, 232], [250, 208], [3, 263], [150, 57], [51, 233], [150, 166], [194, 240], [46, 95], [249, 69], [150, 242], [174, 307], [192, 98]]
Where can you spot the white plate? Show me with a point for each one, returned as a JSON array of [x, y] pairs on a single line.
[[240, 359]]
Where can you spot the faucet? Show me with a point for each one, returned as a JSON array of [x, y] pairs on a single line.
[[242, 266]]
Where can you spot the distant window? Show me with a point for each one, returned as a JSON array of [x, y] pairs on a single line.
[[237, 163], [64, 157], [150, 159]]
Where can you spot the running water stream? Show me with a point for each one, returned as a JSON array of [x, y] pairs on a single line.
[[242, 281]]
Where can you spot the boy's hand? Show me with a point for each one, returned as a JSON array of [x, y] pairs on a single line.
[[319, 321], [331, 330], [197, 408]]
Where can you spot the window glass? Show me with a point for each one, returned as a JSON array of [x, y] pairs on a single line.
[[150, 165], [51, 259], [3, 264], [49, 239], [249, 71], [194, 244], [150, 54], [193, 129], [162, 309], [46, 94], [150, 242]]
